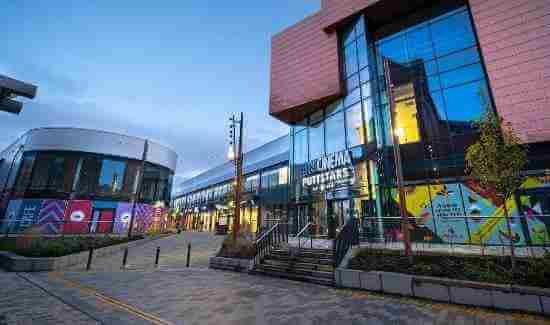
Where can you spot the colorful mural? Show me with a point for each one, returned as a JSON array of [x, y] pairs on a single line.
[[51, 216], [467, 213], [81, 216]]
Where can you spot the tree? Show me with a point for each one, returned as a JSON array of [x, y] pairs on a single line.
[[497, 160]]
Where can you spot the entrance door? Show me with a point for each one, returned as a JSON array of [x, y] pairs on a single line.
[[535, 207], [338, 213]]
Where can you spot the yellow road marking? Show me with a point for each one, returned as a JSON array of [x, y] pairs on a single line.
[[112, 301]]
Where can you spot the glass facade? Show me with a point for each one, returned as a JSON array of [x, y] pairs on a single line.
[[439, 92]]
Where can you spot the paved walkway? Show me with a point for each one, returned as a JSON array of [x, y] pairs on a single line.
[[173, 253], [21, 302], [204, 296]]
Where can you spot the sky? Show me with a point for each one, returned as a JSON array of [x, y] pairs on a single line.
[[172, 71]]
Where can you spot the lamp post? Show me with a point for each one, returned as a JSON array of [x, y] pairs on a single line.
[[396, 132], [236, 155]]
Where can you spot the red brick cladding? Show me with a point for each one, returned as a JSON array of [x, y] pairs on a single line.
[[304, 70], [515, 43], [336, 11]]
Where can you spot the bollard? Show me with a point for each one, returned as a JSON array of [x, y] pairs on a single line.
[[188, 254], [89, 264], [157, 257], [125, 258]]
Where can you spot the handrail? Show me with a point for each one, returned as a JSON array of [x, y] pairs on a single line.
[[348, 237], [299, 235], [303, 229], [271, 238]]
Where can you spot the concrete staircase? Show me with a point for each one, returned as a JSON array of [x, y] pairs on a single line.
[[305, 264]]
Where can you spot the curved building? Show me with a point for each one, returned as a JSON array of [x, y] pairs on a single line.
[[70, 180]]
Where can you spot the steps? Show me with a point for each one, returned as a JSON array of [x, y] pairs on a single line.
[[308, 265]]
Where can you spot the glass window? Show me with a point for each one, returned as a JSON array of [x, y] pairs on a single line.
[[48, 173], [466, 103], [316, 140], [89, 174], [461, 76], [352, 82], [350, 59], [352, 98], [111, 178], [300, 147], [354, 124], [25, 172], [452, 33], [419, 44], [364, 75], [335, 133], [283, 175], [458, 59], [366, 90], [362, 54], [394, 49], [369, 119], [334, 107]]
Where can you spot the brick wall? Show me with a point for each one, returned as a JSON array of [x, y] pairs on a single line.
[[304, 69], [515, 43]]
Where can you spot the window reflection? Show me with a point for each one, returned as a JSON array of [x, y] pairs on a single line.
[[354, 125], [335, 133], [112, 176]]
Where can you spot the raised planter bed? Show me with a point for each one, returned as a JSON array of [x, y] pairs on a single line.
[[479, 294], [15, 263], [231, 264]]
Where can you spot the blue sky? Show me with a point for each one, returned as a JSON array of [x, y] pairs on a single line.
[[169, 70]]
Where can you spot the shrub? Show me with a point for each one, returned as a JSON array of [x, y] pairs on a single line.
[[241, 247]]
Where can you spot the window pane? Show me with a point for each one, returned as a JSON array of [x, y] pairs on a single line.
[[24, 177], [348, 35], [354, 124], [465, 104], [111, 177], [393, 49], [316, 143], [300, 147], [462, 75], [458, 59], [350, 58], [89, 175], [352, 98], [360, 26], [366, 90], [40, 174], [335, 133], [362, 53], [419, 44], [452, 33], [369, 119], [364, 75], [334, 107], [352, 82]]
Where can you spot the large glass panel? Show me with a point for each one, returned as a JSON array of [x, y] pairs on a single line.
[[25, 172], [465, 104], [394, 49], [89, 174], [350, 59], [461, 76], [419, 44], [352, 98], [300, 147], [452, 33], [316, 140], [335, 133], [111, 178], [354, 121], [362, 53], [458, 59], [370, 123], [334, 107]]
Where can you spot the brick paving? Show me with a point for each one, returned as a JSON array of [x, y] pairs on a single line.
[[22, 302], [173, 253]]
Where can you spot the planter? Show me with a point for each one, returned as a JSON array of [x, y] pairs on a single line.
[[479, 294], [15, 263], [231, 264]]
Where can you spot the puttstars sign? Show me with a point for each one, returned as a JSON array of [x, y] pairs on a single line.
[[329, 172]]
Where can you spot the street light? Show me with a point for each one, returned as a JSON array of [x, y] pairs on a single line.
[[12, 88], [235, 154]]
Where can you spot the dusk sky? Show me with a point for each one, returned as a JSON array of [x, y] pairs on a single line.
[[172, 71]]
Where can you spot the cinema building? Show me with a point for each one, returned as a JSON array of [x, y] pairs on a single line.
[[207, 201], [351, 76], [79, 181]]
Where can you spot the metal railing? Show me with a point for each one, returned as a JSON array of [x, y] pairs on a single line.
[[301, 232], [348, 236], [269, 240]]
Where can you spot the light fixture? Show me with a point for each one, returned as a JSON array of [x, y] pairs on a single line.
[[231, 153]]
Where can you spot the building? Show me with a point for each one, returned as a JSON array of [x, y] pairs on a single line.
[[75, 181], [207, 200], [446, 62]]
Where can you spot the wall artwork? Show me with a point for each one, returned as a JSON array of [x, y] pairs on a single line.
[[143, 217], [11, 214], [122, 219], [78, 217], [28, 215], [51, 216]]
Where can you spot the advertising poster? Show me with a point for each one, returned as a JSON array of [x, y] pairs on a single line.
[[28, 215], [12, 212], [448, 214], [122, 218], [78, 217], [51, 216]]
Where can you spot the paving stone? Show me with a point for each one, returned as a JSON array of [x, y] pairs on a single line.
[[470, 296], [432, 291], [516, 301]]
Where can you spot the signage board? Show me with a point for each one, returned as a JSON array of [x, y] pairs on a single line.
[[329, 172]]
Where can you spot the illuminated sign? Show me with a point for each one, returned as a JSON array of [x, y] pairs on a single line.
[[329, 172]]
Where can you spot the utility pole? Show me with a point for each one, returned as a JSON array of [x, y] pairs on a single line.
[[398, 163], [236, 154]]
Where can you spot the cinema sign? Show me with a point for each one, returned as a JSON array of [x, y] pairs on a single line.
[[329, 172]]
